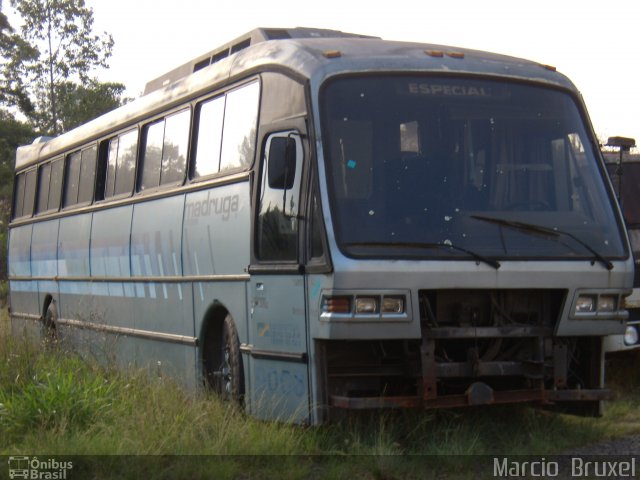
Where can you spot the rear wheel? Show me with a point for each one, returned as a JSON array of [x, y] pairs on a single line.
[[49, 326]]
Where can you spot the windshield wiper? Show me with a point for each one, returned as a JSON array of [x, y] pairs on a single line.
[[477, 257], [549, 232]]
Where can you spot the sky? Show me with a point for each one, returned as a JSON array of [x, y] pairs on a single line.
[[595, 43]]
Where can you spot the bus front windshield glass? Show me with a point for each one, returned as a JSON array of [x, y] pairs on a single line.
[[434, 167]]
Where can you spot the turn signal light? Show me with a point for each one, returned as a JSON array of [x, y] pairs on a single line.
[[336, 304]]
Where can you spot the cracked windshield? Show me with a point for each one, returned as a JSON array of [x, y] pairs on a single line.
[[434, 167]]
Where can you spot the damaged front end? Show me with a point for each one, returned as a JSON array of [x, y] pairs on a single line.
[[478, 347]]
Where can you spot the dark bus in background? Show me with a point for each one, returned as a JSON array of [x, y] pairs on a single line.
[[624, 171]]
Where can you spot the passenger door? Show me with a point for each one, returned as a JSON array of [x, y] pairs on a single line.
[[277, 348]]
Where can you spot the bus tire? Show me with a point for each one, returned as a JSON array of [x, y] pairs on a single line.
[[49, 322], [228, 375]]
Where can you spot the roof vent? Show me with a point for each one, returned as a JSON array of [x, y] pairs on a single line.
[[255, 36], [277, 34]]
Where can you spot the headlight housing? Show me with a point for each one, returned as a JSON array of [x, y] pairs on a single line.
[[586, 303], [607, 303], [597, 304], [364, 306]]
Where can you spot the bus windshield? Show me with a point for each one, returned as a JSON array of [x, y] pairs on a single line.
[[484, 167]]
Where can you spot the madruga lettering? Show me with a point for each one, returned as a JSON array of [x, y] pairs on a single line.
[[223, 206]]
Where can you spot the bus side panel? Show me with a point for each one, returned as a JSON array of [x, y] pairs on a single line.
[[161, 307], [73, 261], [112, 302], [44, 258], [216, 242], [23, 293], [216, 231]]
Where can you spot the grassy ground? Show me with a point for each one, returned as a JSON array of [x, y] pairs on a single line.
[[53, 403]]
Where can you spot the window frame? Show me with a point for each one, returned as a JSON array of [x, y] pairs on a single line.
[[82, 152], [195, 134], [41, 196], [24, 175], [46, 201], [223, 93], [144, 130], [93, 160], [66, 203], [101, 182]]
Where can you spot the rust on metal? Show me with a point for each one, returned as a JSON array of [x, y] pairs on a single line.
[[478, 395]]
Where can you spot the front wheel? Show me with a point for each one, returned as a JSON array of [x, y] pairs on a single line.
[[224, 364]]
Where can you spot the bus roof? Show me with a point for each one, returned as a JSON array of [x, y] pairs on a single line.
[[313, 54]]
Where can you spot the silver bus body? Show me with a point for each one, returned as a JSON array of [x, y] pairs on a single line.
[[311, 291]]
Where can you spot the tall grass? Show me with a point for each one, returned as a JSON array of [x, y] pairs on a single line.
[[55, 403]]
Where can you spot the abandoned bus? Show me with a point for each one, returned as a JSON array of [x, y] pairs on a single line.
[[311, 222]]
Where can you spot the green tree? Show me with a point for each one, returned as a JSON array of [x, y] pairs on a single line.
[[12, 49], [60, 49], [79, 104]]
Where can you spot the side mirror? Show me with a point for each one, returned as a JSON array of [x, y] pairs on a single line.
[[282, 163]]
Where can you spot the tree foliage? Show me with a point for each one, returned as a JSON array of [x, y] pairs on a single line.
[[12, 48], [56, 49], [80, 103]]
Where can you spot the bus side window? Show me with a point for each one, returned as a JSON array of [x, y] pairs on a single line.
[[164, 157], [110, 155], [55, 188], [175, 146], [208, 137], [44, 178], [25, 192], [126, 163], [30, 192], [152, 155], [87, 175], [72, 179], [80, 177], [240, 119], [118, 164], [50, 186], [18, 195]]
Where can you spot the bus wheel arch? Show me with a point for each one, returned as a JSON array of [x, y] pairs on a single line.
[[222, 367]]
